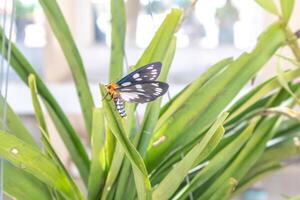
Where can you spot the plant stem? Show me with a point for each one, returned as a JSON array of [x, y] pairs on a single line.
[[293, 43]]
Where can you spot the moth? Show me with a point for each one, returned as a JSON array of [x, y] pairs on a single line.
[[140, 86]]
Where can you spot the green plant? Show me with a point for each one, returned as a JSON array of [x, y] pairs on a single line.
[[196, 136]]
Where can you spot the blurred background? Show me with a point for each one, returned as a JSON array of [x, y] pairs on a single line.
[[214, 30]]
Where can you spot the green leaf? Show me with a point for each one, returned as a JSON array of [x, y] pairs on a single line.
[[269, 6], [258, 92], [36, 104], [124, 182], [172, 158], [31, 160], [113, 172], [15, 125], [178, 100], [110, 146], [44, 131], [52, 154], [22, 185], [295, 198], [160, 43], [138, 166], [192, 88], [170, 183], [118, 29], [189, 89], [283, 81], [18, 183], [198, 112], [76, 149], [167, 166], [287, 8], [292, 41], [61, 31], [221, 159], [225, 191], [159, 49], [264, 171], [152, 111], [287, 147], [247, 156], [98, 164]]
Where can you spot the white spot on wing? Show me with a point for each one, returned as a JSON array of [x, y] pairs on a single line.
[[139, 79], [151, 67], [127, 96], [138, 86], [126, 84], [136, 75], [154, 84]]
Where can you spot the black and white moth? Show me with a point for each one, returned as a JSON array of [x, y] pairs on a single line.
[[140, 86]]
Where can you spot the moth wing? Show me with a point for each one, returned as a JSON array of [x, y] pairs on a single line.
[[147, 73], [144, 92]]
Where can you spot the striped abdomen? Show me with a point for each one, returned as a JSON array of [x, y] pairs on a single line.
[[120, 106]]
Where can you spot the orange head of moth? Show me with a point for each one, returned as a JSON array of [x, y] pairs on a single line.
[[112, 89]]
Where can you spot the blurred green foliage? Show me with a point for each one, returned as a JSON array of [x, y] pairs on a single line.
[[220, 145]]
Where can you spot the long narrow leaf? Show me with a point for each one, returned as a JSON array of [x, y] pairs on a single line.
[[167, 166], [245, 184], [258, 92], [97, 172], [31, 160], [44, 130], [287, 8], [14, 124], [22, 185], [152, 111], [162, 39], [61, 30], [18, 183], [36, 104], [217, 162], [269, 6], [170, 183], [160, 47], [76, 149], [248, 156], [113, 172], [118, 29], [139, 168], [199, 111], [284, 83], [225, 191], [192, 88]]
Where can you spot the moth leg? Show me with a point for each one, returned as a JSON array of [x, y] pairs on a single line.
[[104, 96]]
